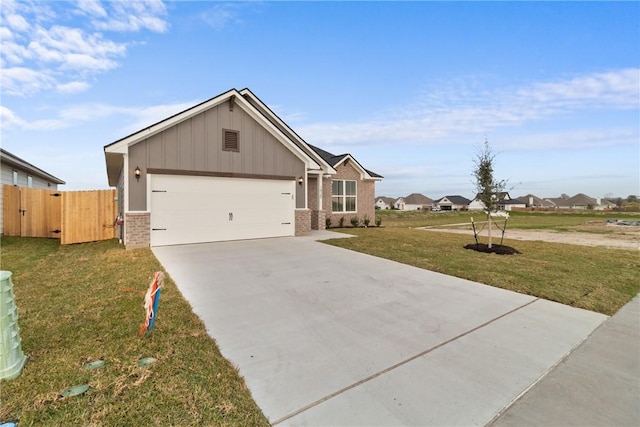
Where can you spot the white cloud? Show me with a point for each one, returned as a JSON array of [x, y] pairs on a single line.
[[220, 15], [574, 139], [618, 89], [136, 117], [452, 115], [69, 49], [9, 119], [24, 81], [17, 22], [72, 87], [134, 16], [92, 8]]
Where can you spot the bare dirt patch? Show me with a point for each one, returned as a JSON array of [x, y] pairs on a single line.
[[596, 234]]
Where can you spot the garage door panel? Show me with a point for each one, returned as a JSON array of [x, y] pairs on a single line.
[[191, 209]]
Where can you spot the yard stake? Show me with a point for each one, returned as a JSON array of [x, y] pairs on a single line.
[[151, 301]]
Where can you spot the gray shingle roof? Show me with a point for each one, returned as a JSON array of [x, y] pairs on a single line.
[[457, 200], [334, 159], [417, 199]]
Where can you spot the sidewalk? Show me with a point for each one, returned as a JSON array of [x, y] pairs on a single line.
[[596, 385]]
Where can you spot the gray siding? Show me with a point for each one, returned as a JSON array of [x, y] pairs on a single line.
[[196, 145]]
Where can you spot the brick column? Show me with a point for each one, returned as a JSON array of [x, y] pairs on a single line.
[[303, 221], [318, 220], [137, 230]]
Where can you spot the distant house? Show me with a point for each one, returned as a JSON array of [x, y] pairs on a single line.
[[558, 202], [507, 205], [581, 202], [383, 202], [417, 202], [533, 201], [477, 204], [20, 173], [504, 202], [452, 203], [413, 202]]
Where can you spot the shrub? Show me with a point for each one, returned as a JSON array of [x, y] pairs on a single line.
[[355, 221], [341, 222], [366, 220], [327, 222], [378, 221]]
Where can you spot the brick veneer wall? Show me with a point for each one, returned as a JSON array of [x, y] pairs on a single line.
[[318, 220], [137, 230], [365, 196], [303, 221]]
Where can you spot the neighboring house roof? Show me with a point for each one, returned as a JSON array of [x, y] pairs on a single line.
[[537, 201], [12, 159], [502, 195], [558, 201], [387, 200], [417, 199], [336, 159], [456, 200], [581, 200]]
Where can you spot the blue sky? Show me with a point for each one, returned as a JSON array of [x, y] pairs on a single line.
[[411, 89]]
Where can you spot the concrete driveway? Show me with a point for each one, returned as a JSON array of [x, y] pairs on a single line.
[[326, 336]]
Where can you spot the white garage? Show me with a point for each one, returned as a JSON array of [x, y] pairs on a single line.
[[197, 209]]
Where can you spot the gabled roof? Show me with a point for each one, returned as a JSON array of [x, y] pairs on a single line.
[[12, 159], [335, 160], [114, 152], [456, 200], [387, 200], [417, 199], [581, 200], [558, 201], [502, 195], [537, 201]]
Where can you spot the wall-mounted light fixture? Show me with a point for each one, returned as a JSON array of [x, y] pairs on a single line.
[[137, 172], [300, 181]]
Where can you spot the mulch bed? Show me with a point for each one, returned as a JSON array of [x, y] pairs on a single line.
[[495, 249]]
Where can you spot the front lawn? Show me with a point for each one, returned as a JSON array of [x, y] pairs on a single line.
[[80, 303], [598, 279]]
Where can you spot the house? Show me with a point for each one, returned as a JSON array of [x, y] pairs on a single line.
[[18, 172], [413, 202], [504, 202], [228, 169], [383, 202], [477, 204], [452, 203], [533, 201], [509, 204]]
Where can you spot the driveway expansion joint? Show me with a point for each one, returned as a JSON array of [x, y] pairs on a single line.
[[404, 362]]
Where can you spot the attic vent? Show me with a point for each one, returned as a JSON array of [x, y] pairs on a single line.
[[230, 140]]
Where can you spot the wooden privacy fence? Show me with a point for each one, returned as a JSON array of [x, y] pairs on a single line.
[[71, 216]]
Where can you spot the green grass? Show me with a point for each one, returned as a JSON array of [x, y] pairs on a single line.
[[558, 221], [597, 279], [79, 303]]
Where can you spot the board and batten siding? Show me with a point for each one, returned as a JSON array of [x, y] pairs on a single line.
[[196, 145]]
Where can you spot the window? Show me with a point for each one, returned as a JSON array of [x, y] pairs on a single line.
[[343, 196], [15, 177], [230, 140], [29, 181]]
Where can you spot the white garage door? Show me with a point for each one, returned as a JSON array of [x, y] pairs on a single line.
[[195, 209]]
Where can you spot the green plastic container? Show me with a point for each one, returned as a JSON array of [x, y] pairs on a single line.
[[12, 358]]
